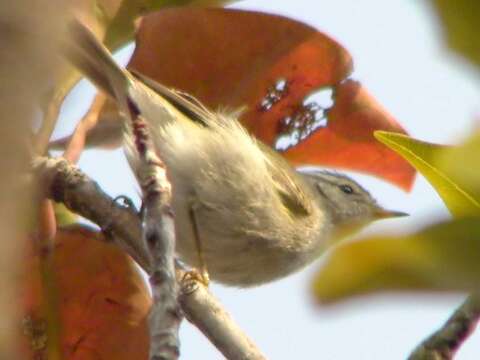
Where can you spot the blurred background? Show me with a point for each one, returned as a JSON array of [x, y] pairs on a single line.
[[400, 58]]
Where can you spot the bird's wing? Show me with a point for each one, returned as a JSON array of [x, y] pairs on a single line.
[[191, 107], [287, 184], [93, 59]]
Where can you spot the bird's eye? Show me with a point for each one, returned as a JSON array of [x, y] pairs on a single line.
[[347, 189]]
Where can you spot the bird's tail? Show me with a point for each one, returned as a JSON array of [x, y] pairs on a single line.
[[94, 60], [91, 57]]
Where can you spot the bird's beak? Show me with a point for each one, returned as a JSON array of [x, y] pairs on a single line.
[[381, 213]]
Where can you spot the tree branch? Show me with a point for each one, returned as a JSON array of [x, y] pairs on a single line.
[[159, 234], [444, 343], [65, 182], [31, 32], [205, 311]]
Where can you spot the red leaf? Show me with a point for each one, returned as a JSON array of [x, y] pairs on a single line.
[[103, 300], [271, 64], [348, 140]]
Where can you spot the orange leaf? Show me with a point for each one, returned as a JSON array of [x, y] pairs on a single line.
[[348, 140], [224, 56], [272, 64], [102, 298]]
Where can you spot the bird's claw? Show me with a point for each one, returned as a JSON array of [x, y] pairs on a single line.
[[197, 276]]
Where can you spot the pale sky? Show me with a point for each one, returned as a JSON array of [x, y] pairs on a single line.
[[399, 57]]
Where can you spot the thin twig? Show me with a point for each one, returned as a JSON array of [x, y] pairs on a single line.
[[103, 127], [205, 311], [51, 111], [76, 143], [444, 343], [159, 233], [80, 194]]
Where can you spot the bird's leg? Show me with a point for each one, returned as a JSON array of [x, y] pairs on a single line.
[[202, 273]]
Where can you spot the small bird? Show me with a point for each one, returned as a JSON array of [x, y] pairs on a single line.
[[241, 210]]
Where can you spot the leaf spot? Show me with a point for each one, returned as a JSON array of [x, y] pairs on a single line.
[[275, 93], [310, 116]]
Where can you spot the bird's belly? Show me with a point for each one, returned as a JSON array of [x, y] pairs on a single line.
[[233, 257], [239, 263]]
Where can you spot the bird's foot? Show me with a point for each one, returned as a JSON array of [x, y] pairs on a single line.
[[197, 276]]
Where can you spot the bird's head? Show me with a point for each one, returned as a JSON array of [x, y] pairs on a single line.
[[347, 203]]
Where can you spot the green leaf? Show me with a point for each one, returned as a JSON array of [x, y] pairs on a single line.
[[442, 257], [439, 164], [64, 216], [462, 161], [461, 26], [120, 28]]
